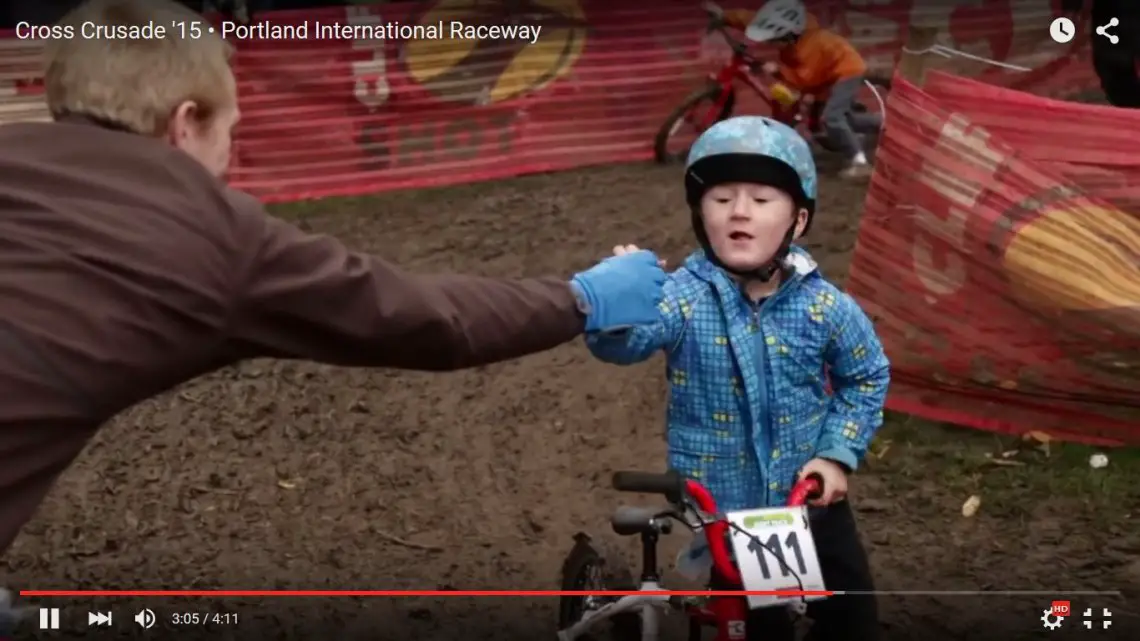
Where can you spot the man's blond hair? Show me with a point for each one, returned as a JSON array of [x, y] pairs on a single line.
[[137, 83]]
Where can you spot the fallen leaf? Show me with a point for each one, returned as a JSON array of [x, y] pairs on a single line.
[[970, 507], [1043, 440], [1007, 463], [883, 449]]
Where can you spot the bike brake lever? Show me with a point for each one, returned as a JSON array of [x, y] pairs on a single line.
[[677, 516], [699, 521]]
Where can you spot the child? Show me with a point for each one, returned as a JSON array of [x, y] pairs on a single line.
[[820, 64], [752, 334]]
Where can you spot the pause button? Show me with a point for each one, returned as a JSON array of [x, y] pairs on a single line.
[[49, 618]]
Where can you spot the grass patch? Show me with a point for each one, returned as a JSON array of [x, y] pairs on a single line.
[[1012, 475]]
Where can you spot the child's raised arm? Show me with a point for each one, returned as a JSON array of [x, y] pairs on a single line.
[[637, 344], [859, 373]]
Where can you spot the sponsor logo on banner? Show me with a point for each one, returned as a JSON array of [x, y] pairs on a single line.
[[488, 71], [1076, 262]]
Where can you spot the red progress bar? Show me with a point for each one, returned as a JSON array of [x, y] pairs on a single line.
[[414, 593]]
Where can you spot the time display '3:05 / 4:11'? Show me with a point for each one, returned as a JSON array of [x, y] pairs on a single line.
[[203, 618]]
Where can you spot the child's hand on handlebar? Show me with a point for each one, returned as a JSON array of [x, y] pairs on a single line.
[[770, 68], [622, 250], [834, 480]]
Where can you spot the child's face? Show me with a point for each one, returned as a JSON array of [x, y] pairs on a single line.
[[746, 223]]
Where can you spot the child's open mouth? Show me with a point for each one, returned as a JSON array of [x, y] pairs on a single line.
[[740, 235]]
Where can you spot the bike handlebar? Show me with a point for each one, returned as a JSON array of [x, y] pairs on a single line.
[[716, 23], [674, 487], [671, 484]]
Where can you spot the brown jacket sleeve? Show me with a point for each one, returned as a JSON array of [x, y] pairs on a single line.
[[308, 296]]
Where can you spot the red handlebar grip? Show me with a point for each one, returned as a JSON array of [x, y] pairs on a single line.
[[809, 488]]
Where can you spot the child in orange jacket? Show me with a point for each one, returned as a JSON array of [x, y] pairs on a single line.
[[818, 63]]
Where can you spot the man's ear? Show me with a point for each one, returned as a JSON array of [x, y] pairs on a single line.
[[182, 120], [802, 217]]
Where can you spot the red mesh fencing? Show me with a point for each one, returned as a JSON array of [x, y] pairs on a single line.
[[999, 252]]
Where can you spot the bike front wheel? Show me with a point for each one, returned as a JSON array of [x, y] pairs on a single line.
[[595, 568], [690, 119]]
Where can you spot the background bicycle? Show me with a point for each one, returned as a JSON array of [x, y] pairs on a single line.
[[737, 65]]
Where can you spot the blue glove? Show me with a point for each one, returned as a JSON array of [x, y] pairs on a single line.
[[620, 292]]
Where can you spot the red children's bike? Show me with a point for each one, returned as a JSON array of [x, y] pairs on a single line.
[[591, 571], [716, 99]]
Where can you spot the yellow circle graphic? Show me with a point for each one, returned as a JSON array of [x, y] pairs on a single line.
[[1079, 258], [494, 70]]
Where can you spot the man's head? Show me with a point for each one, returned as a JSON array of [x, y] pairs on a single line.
[[751, 186], [179, 88]]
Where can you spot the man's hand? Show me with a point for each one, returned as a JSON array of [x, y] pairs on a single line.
[[834, 480]]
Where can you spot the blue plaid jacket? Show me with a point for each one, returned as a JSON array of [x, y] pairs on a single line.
[[748, 404]]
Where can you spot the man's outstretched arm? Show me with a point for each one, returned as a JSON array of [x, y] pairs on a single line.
[[308, 296]]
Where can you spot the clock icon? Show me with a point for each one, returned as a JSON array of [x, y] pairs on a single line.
[[1062, 30]]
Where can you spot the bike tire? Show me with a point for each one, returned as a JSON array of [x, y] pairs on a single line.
[[711, 91], [616, 575]]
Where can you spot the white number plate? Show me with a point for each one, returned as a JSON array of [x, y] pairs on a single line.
[[779, 550]]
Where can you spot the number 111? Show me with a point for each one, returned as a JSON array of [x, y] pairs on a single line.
[[773, 546]]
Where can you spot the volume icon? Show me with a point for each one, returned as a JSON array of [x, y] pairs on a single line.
[[145, 619]]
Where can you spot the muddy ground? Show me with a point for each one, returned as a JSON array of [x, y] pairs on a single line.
[[290, 475]]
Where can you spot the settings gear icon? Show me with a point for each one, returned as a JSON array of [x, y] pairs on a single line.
[[1050, 620]]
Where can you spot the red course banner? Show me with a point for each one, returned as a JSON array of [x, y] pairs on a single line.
[[350, 112], [1000, 257]]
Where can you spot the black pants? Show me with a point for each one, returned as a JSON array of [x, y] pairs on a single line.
[[845, 567], [1116, 68]]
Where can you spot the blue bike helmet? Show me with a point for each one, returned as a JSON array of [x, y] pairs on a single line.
[[751, 149]]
